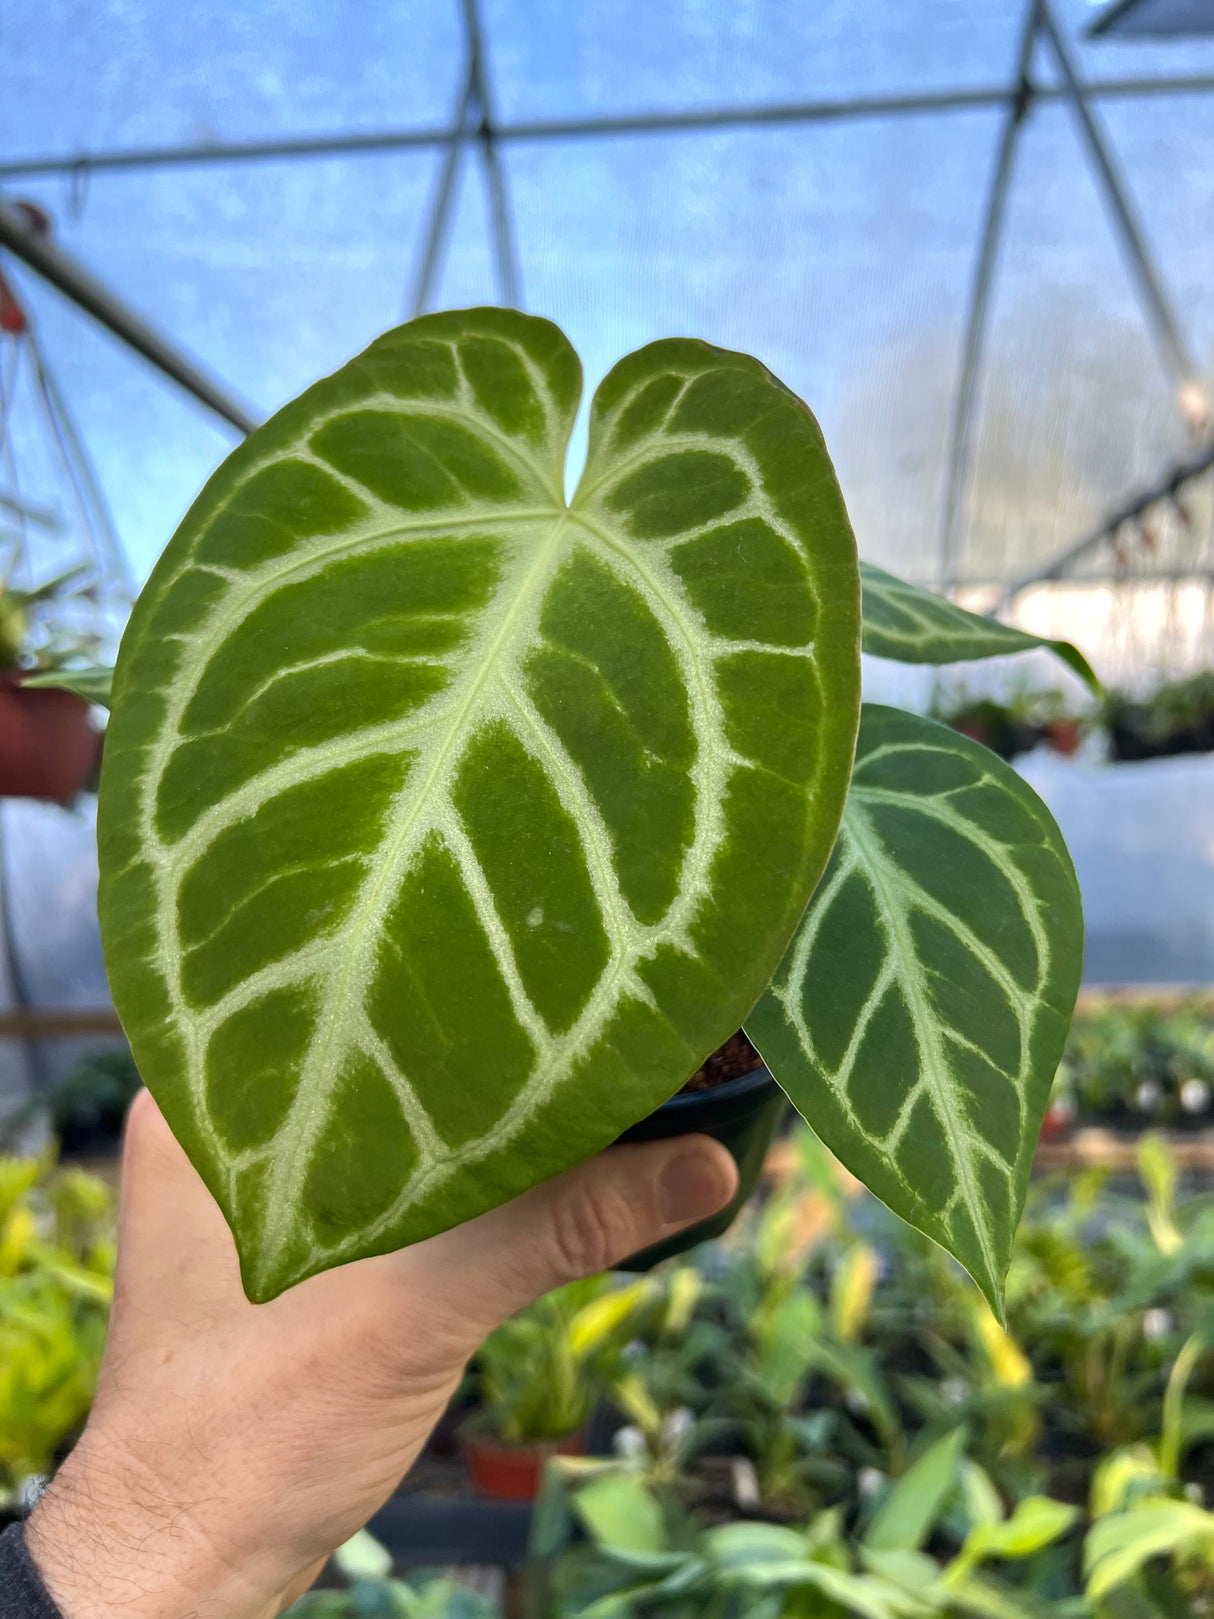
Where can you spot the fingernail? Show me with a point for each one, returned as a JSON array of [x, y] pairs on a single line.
[[692, 1187]]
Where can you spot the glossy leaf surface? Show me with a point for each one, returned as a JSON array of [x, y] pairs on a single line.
[[445, 828], [919, 1016], [911, 625]]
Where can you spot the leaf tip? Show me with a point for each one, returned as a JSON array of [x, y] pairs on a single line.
[[1075, 660]]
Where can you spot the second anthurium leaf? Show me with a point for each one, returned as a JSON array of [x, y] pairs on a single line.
[[911, 625], [445, 827], [919, 1016], [92, 684]]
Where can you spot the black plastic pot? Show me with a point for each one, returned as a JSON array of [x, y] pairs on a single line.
[[85, 1138], [743, 1114], [1128, 744]]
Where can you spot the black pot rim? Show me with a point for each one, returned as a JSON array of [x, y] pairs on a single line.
[[757, 1079]]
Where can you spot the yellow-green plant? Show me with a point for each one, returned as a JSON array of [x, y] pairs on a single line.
[[543, 1370], [30, 641], [56, 1265], [1150, 1540]]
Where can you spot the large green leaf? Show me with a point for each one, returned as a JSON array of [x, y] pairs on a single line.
[[445, 828], [920, 1013], [914, 626]]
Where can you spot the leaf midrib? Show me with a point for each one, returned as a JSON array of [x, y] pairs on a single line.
[[538, 570], [677, 615], [317, 1066], [560, 518], [874, 854]]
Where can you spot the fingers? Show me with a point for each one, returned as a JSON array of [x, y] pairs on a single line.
[[175, 1247], [584, 1221]]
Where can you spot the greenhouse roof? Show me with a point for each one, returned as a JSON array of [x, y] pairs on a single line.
[[258, 185], [806, 183]]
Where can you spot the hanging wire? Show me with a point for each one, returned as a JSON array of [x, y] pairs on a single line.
[[96, 607], [8, 460], [960, 427], [109, 554], [501, 223], [78, 189], [1192, 401], [438, 232], [473, 120]]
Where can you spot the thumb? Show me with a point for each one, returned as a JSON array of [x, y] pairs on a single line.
[[582, 1222]]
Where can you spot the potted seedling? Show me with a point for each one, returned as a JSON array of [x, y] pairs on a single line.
[[447, 825], [372, 1593], [643, 1554], [1002, 728], [48, 745], [1017, 726], [1065, 735], [541, 1375], [1177, 717]]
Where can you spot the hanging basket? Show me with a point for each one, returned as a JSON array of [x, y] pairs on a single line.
[[48, 746]]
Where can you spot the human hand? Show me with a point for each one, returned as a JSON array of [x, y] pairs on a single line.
[[233, 1446]]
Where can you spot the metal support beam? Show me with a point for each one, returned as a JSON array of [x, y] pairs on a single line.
[[961, 416], [1129, 511], [500, 223], [559, 129], [49, 261], [1159, 313], [473, 120], [444, 195]]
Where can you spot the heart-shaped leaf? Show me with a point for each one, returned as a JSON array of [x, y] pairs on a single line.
[[444, 827], [919, 1016], [911, 625]]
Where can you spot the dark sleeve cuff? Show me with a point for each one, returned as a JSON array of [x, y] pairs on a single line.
[[22, 1593]]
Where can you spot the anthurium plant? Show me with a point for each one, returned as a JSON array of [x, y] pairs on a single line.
[[447, 823]]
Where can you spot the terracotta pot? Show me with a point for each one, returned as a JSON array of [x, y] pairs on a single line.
[[1065, 737], [513, 1472], [1057, 1123], [48, 747]]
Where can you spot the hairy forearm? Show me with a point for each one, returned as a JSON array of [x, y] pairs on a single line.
[[106, 1540], [232, 1446]]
